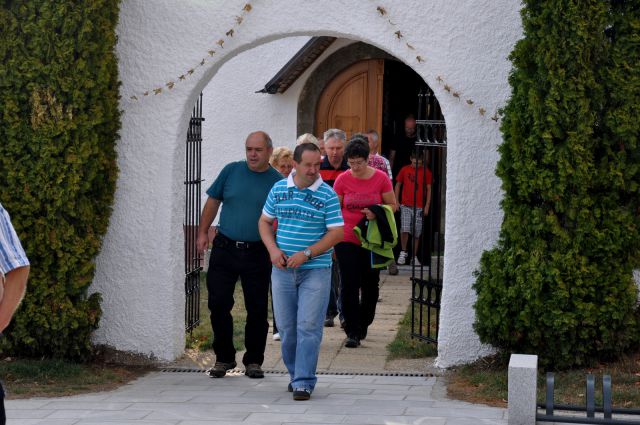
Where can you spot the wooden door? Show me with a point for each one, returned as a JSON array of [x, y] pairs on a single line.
[[352, 101]]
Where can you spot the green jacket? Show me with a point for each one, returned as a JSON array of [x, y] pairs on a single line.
[[379, 236]]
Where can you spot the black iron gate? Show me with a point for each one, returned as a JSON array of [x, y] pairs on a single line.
[[192, 258], [426, 276]]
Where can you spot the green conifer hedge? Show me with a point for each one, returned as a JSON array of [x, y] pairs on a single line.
[[59, 122], [559, 282]]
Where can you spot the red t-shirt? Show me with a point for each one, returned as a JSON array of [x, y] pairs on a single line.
[[407, 177], [357, 194]]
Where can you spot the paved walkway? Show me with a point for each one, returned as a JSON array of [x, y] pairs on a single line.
[[355, 386], [395, 292], [194, 398]]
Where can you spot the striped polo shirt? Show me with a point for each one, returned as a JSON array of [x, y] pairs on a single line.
[[12, 255], [303, 217]]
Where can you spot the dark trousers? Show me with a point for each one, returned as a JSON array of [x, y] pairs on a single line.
[[3, 416], [252, 265], [334, 308], [359, 288], [273, 312]]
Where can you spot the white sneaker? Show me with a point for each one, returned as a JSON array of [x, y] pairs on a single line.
[[416, 262], [402, 258], [276, 336]]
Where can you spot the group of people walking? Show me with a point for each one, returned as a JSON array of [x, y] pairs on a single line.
[[284, 223]]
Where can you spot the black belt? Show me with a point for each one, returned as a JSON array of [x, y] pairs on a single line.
[[225, 241]]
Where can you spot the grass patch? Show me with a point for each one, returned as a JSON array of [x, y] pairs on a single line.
[[26, 378], [201, 338], [485, 381], [406, 347]]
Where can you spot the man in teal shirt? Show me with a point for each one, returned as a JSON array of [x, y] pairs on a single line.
[[238, 252]]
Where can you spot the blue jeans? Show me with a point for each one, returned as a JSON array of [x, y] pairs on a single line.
[[300, 299]]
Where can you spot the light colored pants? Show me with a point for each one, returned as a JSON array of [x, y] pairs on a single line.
[[300, 299]]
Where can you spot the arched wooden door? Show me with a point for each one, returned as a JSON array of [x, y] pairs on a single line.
[[352, 101]]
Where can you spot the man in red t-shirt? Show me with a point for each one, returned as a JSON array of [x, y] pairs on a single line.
[[412, 196]]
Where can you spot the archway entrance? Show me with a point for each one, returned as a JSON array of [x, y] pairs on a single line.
[[392, 88], [143, 301]]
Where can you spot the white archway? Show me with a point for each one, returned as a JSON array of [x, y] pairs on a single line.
[[139, 270]]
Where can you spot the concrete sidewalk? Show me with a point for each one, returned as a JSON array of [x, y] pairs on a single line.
[[355, 386], [185, 398]]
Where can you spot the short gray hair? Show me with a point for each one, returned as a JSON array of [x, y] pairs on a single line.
[[374, 135], [335, 132]]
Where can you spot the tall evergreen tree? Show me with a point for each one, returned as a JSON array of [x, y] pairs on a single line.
[[559, 282], [59, 120]]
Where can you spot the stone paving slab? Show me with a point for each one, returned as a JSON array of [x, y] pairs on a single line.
[[193, 398]]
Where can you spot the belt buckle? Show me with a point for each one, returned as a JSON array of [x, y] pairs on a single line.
[[242, 245]]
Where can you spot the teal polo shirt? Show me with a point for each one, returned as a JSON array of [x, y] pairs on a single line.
[[242, 193]]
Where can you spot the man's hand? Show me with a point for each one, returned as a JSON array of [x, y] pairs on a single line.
[[425, 210], [209, 212], [202, 243], [297, 260], [278, 258], [14, 287]]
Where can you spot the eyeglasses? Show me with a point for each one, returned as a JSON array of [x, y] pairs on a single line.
[[356, 163]]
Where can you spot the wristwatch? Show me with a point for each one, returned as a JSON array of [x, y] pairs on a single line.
[[307, 252]]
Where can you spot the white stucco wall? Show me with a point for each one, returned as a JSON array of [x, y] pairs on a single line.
[[140, 271]]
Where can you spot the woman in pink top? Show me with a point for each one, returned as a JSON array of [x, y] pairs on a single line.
[[357, 189]]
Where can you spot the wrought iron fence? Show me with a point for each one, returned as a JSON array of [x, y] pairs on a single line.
[[426, 277], [192, 183], [604, 412]]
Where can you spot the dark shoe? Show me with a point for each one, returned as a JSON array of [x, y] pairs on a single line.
[[328, 322], [301, 394], [254, 371], [220, 369], [393, 268], [289, 388], [352, 342]]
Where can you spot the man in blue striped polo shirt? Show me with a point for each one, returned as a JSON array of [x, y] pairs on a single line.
[[309, 225], [14, 271]]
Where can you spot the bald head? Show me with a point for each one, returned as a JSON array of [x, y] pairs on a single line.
[[263, 135]]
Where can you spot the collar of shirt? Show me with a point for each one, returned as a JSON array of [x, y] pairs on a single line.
[[326, 165], [313, 187]]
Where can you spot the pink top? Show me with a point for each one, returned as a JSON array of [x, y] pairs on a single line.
[[357, 194]]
